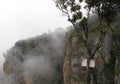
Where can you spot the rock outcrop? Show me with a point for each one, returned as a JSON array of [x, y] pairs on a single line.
[[76, 51], [36, 60]]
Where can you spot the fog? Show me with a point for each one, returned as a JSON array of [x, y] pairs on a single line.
[[40, 57], [20, 19]]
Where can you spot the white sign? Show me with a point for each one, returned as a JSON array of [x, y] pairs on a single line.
[[84, 63]]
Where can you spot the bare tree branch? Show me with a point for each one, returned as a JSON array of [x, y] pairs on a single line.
[[101, 56]]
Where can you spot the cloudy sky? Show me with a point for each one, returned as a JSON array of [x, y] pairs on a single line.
[[20, 19]]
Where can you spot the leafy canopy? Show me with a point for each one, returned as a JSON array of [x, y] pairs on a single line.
[[105, 9]]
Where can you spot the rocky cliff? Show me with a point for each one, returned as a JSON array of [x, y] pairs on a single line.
[[37, 60], [106, 59], [76, 52], [59, 58]]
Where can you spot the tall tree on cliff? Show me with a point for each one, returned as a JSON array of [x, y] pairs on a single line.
[[106, 11]]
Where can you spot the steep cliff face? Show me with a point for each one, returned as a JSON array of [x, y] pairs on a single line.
[[76, 52], [36, 60], [107, 58]]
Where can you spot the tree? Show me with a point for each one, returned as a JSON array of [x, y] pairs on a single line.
[[106, 11]]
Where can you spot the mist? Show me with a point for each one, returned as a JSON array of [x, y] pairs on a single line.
[[39, 57], [21, 19]]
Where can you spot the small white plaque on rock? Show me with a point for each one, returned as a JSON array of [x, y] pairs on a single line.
[[84, 63]]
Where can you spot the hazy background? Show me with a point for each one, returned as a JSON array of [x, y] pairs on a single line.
[[20, 19]]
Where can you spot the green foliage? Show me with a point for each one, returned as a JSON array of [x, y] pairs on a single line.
[[116, 50], [75, 17], [112, 68], [84, 21], [74, 34], [75, 77], [91, 2], [80, 0], [97, 28], [109, 70], [70, 8], [116, 46], [116, 53], [75, 8], [106, 9]]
